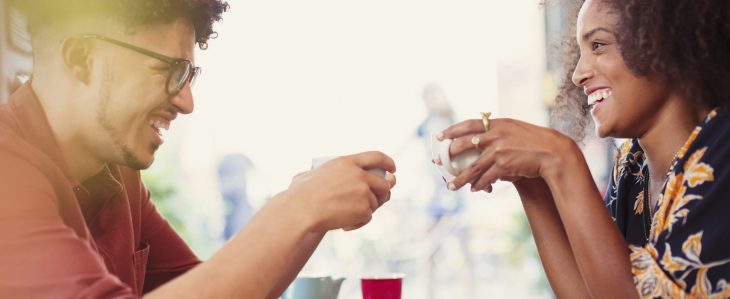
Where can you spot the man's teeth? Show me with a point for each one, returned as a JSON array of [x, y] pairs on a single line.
[[598, 95], [159, 124]]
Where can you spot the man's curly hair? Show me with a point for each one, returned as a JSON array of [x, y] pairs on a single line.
[[686, 42], [132, 13]]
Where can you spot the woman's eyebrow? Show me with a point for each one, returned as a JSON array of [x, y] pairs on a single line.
[[589, 34]]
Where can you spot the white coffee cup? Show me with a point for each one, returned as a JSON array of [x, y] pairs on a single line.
[[316, 162], [450, 166]]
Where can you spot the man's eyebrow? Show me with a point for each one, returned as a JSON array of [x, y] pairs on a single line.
[[588, 34]]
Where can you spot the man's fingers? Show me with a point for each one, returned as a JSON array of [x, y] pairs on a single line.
[[380, 186], [383, 199], [374, 159], [390, 178], [298, 175], [374, 203], [351, 228]]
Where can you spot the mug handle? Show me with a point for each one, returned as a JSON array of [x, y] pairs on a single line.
[[446, 158], [436, 146]]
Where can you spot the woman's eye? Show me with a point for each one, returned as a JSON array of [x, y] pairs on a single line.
[[597, 45]]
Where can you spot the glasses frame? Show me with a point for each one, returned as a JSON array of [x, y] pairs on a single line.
[[191, 70]]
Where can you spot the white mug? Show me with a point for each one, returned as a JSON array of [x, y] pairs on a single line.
[[451, 167]]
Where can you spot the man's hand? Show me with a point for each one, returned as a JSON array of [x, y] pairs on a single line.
[[341, 193]]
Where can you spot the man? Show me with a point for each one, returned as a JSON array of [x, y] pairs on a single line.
[[75, 219]]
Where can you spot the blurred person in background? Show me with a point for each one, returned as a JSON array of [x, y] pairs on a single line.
[[233, 180], [655, 72], [440, 116], [445, 210], [76, 220]]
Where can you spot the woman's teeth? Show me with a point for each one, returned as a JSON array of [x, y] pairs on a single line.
[[598, 96]]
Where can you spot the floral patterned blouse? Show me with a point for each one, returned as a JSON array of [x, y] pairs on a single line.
[[683, 249]]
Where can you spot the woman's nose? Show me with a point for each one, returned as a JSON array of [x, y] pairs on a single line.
[[582, 73]]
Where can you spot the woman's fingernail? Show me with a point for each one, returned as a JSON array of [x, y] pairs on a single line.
[[437, 161], [452, 187], [440, 136], [473, 189]]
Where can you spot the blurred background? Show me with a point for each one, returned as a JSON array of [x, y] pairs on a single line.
[[287, 81]]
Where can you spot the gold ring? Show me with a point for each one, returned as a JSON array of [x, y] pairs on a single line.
[[485, 120], [475, 141]]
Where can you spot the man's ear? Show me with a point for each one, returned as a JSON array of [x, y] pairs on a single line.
[[77, 58]]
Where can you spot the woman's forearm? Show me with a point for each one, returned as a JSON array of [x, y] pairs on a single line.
[[550, 238], [600, 251]]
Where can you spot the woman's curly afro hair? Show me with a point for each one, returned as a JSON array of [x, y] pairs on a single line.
[[686, 42]]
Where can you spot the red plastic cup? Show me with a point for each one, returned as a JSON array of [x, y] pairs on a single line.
[[382, 286]]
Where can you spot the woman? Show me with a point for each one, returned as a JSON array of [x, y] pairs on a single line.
[[655, 72]]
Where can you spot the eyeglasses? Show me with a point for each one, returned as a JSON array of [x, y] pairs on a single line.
[[182, 71]]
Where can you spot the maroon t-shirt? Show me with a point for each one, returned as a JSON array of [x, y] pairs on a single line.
[[102, 238]]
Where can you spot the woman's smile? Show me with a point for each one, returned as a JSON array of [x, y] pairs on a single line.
[[597, 98]]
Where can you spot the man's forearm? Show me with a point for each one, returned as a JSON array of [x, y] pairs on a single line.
[[305, 251], [252, 264]]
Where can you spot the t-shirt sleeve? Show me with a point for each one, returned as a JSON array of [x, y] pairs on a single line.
[[40, 255], [169, 255]]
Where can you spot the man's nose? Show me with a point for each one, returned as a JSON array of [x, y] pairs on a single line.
[[183, 100]]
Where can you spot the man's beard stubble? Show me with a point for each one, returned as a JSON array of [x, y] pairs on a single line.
[[130, 159]]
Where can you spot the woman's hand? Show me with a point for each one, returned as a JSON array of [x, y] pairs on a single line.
[[510, 150]]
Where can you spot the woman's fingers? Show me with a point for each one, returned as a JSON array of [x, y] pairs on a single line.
[[510, 150], [466, 143], [488, 178], [467, 127], [474, 171]]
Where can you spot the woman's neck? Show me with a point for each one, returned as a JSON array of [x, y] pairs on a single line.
[[674, 123]]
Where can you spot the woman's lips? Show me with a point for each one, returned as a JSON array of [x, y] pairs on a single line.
[[597, 98], [599, 95]]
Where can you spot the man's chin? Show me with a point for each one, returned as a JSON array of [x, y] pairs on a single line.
[[140, 166], [137, 163]]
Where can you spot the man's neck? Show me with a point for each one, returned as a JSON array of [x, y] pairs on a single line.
[[54, 101]]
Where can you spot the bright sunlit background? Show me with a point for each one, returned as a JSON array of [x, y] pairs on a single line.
[[287, 81]]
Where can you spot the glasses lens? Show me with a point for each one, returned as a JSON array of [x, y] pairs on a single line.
[[196, 73], [179, 76]]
